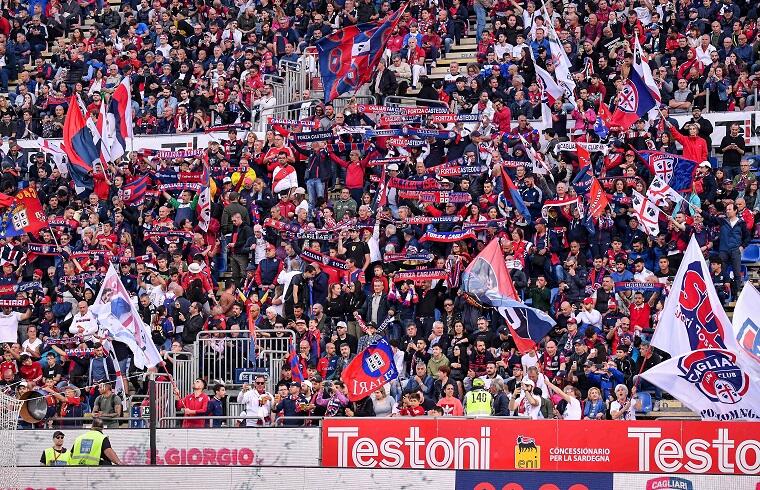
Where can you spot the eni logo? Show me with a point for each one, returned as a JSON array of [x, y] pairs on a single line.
[[527, 454]]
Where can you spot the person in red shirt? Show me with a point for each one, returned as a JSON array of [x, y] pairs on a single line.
[[30, 370], [641, 312], [412, 407], [194, 405]]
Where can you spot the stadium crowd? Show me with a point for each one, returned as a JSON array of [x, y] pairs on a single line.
[[299, 230]]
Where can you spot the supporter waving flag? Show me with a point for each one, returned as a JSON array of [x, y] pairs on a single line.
[[693, 317], [512, 194], [370, 370], [348, 56], [633, 102], [79, 145], [118, 319], [487, 281], [120, 118]]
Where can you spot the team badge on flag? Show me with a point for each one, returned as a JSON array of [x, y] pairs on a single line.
[[371, 369], [712, 382]]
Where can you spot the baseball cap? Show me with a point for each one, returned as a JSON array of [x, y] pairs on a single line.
[[341, 325], [393, 166], [503, 330], [572, 320], [588, 301], [300, 190], [705, 164], [478, 383], [528, 382], [612, 303]]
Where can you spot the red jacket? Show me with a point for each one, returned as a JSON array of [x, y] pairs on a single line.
[[694, 147], [199, 405]]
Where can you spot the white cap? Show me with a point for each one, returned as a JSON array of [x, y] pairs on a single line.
[[393, 166], [705, 164]]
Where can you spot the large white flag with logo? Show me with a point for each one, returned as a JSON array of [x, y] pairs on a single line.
[[693, 317], [119, 320], [711, 382], [746, 324]]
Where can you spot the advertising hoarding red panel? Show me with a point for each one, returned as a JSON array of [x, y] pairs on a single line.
[[554, 445]]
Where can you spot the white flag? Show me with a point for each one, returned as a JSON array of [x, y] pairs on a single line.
[[693, 317], [658, 191], [204, 208], [57, 153], [560, 59], [119, 320], [746, 324], [711, 382], [645, 72], [647, 213]]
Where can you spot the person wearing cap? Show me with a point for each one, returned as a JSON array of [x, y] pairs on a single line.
[[524, 402], [589, 316], [57, 455], [478, 401], [292, 407], [93, 448]]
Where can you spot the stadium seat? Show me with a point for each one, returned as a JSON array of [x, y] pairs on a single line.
[[751, 254], [646, 402]]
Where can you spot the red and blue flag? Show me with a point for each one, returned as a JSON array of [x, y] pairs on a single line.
[[487, 280], [512, 194], [348, 57], [674, 170], [295, 365], [79, 145], [371, 369], [634, 102], [121, 118], [134, 192]]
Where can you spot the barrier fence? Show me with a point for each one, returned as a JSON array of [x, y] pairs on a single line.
[[489, 445], [234, 359], [229, 477]]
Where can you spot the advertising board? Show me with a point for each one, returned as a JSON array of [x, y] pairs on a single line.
[[550, 445], [198, 447]]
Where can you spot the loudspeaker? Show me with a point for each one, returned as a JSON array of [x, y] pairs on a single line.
[[34, 407]]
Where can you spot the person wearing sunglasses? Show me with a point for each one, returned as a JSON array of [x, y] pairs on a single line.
[[56, 455]]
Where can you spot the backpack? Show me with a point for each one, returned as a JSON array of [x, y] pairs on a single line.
[[547, 408]]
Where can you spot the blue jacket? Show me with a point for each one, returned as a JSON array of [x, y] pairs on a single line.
[[732, 237]]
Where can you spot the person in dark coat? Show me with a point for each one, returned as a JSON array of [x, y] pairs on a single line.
[[383, 83]]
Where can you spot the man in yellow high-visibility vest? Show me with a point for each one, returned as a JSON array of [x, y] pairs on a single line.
[[478, 401], [93, 448], [56, 455]]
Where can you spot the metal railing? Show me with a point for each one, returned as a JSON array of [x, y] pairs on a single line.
[[302, 109], [403, 100], [165, 422], [218, 358], [183, 372], [165, 401]]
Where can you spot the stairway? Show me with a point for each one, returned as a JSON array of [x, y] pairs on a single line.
[[89, 23]]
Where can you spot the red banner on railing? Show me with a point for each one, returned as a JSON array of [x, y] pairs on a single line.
[[609, 446]]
